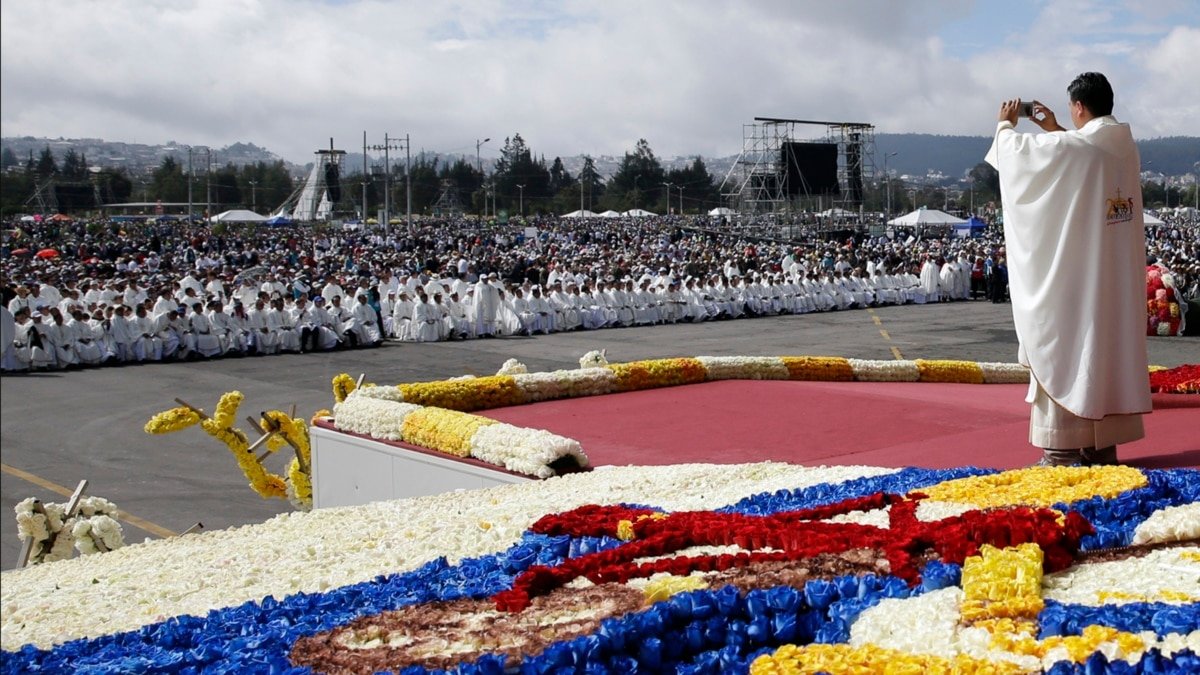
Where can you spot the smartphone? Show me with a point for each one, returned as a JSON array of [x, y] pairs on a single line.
[[1026, 109]]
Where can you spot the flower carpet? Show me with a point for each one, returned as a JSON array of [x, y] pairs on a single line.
[[760, 568]]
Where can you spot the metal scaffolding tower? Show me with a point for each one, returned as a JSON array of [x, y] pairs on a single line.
[[758, 182]]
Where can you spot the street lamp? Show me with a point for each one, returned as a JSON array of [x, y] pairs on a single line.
[[668, 186], [680, 200], [190, 177], [254, 195], [522, 189], [478, 161], [388, 145], [207, 183]]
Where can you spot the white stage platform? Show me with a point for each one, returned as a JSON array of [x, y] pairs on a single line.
[[349, 469]]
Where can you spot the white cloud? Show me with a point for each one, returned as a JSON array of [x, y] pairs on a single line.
[[571, 77]]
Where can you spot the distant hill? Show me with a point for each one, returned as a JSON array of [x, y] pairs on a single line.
[[929, 156]]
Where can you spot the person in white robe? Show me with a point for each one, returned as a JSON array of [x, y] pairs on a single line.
[[426, 323], [61, 339], [545, 316], [144, 327], [487, 304], [207, 343], [387, 308], [317, 328], [32, 351], [365, 323], [129, 346], [930, 281], [1076, 247], [166, 329], [342, 318], [88, 345], [402, 316], [281, 324], [264, 340], [8, 337]]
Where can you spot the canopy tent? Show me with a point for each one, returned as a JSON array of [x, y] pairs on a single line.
[[974, 226], [237, 216], [582, 213], [638, 213], [722, 211], [925, 216], [278, 220], [837, 213], [609, 214], [1152, 219]]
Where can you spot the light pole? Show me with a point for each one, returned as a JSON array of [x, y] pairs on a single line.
[[887, 177], [390, 144], [208, 183], [668, 186], [479, 167], [190, 175], [680, 200], [254, 195], [522, 189]]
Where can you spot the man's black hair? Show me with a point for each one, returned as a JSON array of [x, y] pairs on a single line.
[[1094, 92]]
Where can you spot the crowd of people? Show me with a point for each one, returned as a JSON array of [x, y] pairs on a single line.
[[84, 294]]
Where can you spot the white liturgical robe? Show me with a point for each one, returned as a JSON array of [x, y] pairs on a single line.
[[1076, 250]]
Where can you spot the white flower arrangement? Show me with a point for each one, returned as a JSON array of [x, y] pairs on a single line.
[[512, 367], [1138, 579], [566, 384], [526, 451], [92, 529], [885, 371], [597, 358], [380, 392], [375, 417], [1174, 523], [1004, 373], [745, 367]]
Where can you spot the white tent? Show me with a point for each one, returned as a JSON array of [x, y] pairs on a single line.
[[582, 213], [722, 211], [837, 213], [1152, 219], [637, 213], [926, 217], [237, 216], [609, 214]]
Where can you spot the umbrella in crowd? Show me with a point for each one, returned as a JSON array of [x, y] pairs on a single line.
[[46, 253], [22, 251]]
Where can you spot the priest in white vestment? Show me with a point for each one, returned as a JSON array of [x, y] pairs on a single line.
[[1076, 249]]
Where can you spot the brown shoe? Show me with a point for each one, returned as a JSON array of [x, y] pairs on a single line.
[[1099, 456], [1059, 458]]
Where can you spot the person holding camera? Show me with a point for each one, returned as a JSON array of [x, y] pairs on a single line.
[[1076, 252]]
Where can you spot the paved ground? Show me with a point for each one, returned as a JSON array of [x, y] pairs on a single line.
[[59, 428]]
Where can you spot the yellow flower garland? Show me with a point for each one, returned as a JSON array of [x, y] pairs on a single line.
[[841, 658], [477, 393], [343, 386], [965, 372], [1039, 486], [819, 368], [175, 419], [443, 430], [656, 373]]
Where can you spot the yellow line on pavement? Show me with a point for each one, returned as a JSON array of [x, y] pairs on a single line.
[[140, 523], [896, 353], [886, 336]]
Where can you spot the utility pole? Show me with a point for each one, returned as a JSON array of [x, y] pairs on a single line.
[[190, 176], [680, 200], [479, 168], [208, 183], [887, 177], [388, 145], [522, 208], [254, 195], [668, 186], [364, 181]]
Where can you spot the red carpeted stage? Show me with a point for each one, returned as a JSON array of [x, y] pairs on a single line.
[[878, 424]]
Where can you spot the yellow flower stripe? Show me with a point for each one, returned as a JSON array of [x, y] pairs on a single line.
[[300, 482], [965, 372], [443, 430], [1039, 486], [1004, 584], [266, 484], [663, 588], [841, 658], [819, 368], [656, 373], [226, 414], [479, 393], [175, 419]]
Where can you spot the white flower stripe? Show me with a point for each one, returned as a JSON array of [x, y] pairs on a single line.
[[527, 451], [885, 371], [744, 367]]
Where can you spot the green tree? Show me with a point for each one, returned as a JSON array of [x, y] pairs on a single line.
[[8, 158], [226, 188], [74, 166], [465, 179], [699, 190], [519, 175], [168, 183], [115, 186], [986, 182], [638, 182], [46, 166]]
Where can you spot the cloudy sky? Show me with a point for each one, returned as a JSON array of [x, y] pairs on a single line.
[[573, 76]]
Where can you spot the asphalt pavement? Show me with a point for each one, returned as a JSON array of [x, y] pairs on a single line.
[[58, 428]]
